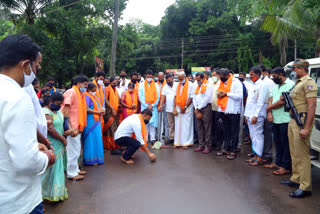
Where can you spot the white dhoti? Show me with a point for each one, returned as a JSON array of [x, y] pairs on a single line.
[[73, 153], [257, 137], [183, 134], [151, 130]]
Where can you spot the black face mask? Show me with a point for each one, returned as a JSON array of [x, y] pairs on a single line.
[[224, 79], [134, 81], [139, 80], [146, 121], [123, 76], [241, 79], [113, 86], [118, 83], [161, 81], [277, 81], [170, 83], [107, 84]]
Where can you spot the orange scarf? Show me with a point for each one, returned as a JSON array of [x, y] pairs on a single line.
[[114, 97], [99, 92], [181, 99], [130, 101], [163, 84], [150, 92], [95, 105], [203, 89], [222, 102], [143, 130], [82, 109]]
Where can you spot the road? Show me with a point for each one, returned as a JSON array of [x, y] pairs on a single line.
[[182, 181]]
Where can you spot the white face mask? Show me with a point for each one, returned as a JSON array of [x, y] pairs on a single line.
[[100, 82], [28, 79], [215, 79], [92, 93], [149, 80]]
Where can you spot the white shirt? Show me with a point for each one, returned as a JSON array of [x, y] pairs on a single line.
[[269, 84], [40, 117], [129, 126], [215, 87], [256, 106], [200, 101], [235, 97], [120, 90], [126, 83], [169, 93], [21, 162], [248, 85]]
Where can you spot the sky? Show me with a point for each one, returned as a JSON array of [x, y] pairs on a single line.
[[149, 11]]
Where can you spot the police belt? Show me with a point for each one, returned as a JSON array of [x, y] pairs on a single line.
[[301, 114]]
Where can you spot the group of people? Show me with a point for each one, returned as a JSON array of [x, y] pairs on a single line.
[[123, 115]]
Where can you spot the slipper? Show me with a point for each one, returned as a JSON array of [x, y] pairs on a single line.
[[271, 166], [276, 172], [251, 155], [255, 163], [221, 154], [231, 157], [250, 160]]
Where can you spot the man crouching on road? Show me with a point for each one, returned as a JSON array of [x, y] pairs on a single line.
[[132, 133]]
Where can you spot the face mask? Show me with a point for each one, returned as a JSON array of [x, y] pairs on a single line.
[[293, 75], [215, 79], [107, 84], [199, 83], [139, 80], [83, 89], [55, 107], [241, 79], [277, 80], [100, 82], [183, 81], [29, 79], [161, 81], [134, 81], [92, 93], [149, 80], [113, 86], [146, 121], [254, 79], [51, 84], [118, 83], [224, 79], [123, 76], [170, 83]]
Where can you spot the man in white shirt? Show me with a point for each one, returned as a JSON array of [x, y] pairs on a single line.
[[167, 102], [134, 124], [22, 159], [123, 80], [163, 121], [230, 95], [207, 76], [267, 126], [202, 100], [119, 89], [255, 112]]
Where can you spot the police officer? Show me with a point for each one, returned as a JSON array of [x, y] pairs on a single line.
[[304, 97]]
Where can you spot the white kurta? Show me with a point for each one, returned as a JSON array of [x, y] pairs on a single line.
[[183, 134]]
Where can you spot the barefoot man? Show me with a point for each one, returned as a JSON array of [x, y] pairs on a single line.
[[132, 133]]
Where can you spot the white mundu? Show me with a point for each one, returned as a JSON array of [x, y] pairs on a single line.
[[183, 134]]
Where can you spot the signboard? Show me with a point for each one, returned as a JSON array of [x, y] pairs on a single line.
[[175, 71], [99, 64], [195, 70]]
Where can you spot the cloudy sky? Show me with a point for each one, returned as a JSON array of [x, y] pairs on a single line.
[[150, 11]]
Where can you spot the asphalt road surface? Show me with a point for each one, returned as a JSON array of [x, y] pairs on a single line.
[[183, 182]]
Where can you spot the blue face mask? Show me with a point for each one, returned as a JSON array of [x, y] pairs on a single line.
[[55, 107], [293, 75], [83, 89]]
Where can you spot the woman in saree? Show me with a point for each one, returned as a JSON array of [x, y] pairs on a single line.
[[129, 101], [111, 117], [53, 181], [92, 134]]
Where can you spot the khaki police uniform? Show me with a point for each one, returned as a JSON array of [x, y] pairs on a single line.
[[304, 88]]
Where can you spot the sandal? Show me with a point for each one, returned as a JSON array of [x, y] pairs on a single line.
[[281, 172], [231, 156], [251, 155], [255, 163], [271, 166], [222, 154], [250, 160]]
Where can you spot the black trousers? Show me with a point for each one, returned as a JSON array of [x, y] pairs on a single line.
[[267, 147], [132, 146], [231, 126], [217, 129], [283, 158]]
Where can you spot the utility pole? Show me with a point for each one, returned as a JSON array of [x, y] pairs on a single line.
[[112, 70], [295, 49], [182, 52]]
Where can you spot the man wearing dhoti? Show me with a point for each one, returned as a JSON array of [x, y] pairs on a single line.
[[149, 96], [183, 111]]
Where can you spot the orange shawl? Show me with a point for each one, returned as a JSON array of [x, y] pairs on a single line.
[[95, 105], [181, 99], [222, 102], [99, 93], [150, 92], [114, 97], [203, 89], [163, 84], [82, 109], [130, 101], [143, 130]]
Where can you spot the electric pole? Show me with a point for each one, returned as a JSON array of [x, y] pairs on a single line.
[[182, 51], [112, 70]]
